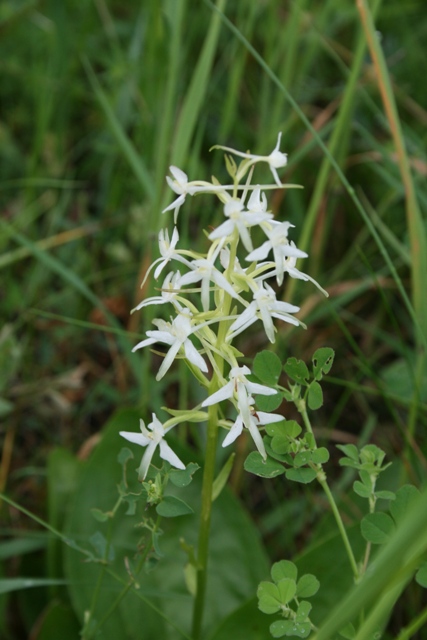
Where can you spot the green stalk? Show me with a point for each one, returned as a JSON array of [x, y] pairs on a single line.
[[205, 517], [321, 478], [209, 468]]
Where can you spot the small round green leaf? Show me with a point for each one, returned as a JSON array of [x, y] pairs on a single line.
[[183, 477], [280, 444], [308, 585], [287, 590], [284, 569], [267, 367], [171, 507], [268, 598], [361, 489], [303, 610], [302, 458], [268, 468], [322, 361], [303, 475], [281, 628], [315, 396], [377, 528], [269, 403], [297, 370], [320, 455]]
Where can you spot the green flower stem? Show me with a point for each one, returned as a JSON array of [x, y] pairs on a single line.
[[205, 517], [210, 457], [301, 406]]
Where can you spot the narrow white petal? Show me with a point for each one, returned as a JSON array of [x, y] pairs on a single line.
[[261, 389], [260, 253], [234, 432], [136, 438], [169, 358], [224, 393], [144, 343], [194, 356], [268, 418], [166, 453], [146, 460], [256, 436]]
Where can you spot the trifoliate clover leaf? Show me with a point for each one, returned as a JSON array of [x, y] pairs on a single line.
[[320, 455]]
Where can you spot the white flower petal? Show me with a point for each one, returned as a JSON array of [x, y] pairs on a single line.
[[224, 393], [166, 453]]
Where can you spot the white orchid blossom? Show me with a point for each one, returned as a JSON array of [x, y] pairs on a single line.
[[169, 291], [275, 160], [256, 418], [152, 437], [176, 335], [204, 269], [241, 219], [167, 253], [264, 306], [277, 233]]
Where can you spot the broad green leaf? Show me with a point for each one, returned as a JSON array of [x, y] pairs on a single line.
[[315, 396], [268, 403], [323, 359], [267, 367], [307, 586], [292, 428], [297, 370], [404, 498], [247, 622], [377, 528], [320, 455], [268, 468], [171, 507], [58, 620], [183, 477], [284, 569], [305, 476], [269, 599], [421, 575]]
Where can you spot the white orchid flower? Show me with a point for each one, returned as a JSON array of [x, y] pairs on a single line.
[[275, 160], [204, 269], [152, 437], [264, 306], [176, 335], [169, 291], [278, 242], [167, 253], [240, 389], [256, 418], [241, 219]]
